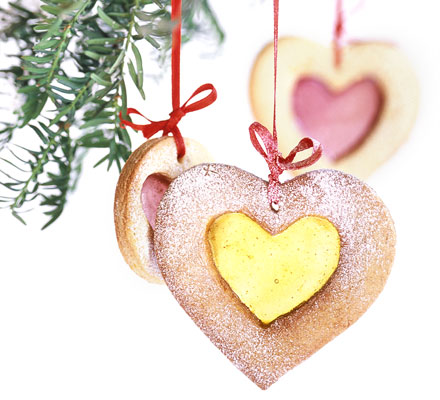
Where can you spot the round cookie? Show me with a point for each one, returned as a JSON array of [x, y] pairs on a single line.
[[361, 111], [155, 158], [193, 210]]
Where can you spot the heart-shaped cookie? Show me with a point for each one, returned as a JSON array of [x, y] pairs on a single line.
[[142, 182], [361, 111], [184, 242]]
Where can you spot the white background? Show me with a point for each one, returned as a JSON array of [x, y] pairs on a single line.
[[77, 323]]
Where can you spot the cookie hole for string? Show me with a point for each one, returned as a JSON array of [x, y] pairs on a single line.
[[275, 206], [153, 189]]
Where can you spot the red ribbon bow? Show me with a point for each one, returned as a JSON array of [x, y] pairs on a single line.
[[276, 162], [170, 125]]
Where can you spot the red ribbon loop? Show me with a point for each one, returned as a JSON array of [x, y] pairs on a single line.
[[276, 162], [170, 125]]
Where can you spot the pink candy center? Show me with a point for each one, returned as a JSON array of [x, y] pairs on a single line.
[[152, 192], [339, 120]]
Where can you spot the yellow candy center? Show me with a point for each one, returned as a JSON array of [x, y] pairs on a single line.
[[274, 274]]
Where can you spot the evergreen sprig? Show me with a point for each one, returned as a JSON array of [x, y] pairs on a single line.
[[71, 76]]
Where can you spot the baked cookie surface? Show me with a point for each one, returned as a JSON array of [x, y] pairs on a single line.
[[264, 352], [134, 232]]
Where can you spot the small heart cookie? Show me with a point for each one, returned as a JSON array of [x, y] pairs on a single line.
[[143, 180], [361, 111], [271, 288]]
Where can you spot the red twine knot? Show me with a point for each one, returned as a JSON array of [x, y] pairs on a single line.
[[175, 117], [170, 125], [276, 162]]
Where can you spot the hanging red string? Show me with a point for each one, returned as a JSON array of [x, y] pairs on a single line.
[[276, 162], [176, 16], [339, 28], [338, 33], [170, 125]]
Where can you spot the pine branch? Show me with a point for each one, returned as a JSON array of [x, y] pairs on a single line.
[[78, 110]]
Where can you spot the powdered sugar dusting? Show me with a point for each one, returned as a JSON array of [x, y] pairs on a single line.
[[264, 353]]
